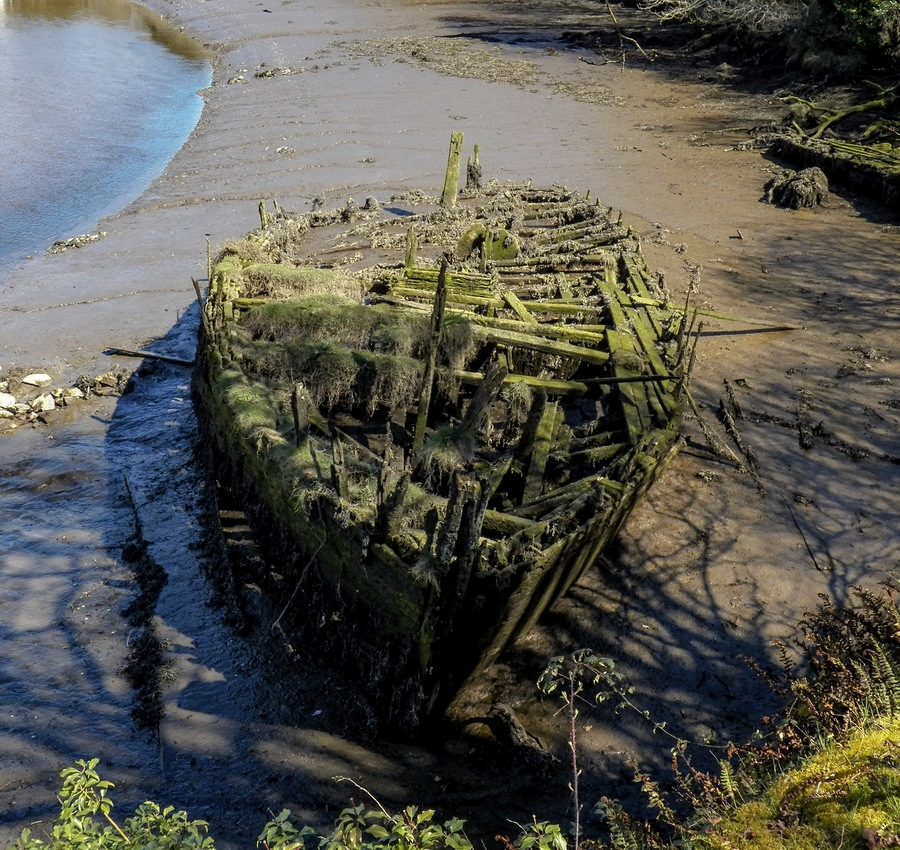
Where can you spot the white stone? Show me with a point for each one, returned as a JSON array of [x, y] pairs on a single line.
[[6, 414], [43, 403], [7, 401], [38, 379], [72, 392]]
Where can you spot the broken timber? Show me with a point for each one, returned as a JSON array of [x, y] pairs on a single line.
[[466, 437]]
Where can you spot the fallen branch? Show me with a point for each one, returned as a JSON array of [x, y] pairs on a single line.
[[127, 352]]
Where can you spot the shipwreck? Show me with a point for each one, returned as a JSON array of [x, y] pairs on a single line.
[[436, 417]]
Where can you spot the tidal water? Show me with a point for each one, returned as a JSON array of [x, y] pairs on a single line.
[[97, 96]]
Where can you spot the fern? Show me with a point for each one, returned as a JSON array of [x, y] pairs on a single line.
[[621, 831], [726, 780]]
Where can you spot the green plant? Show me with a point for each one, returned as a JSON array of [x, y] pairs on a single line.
[[846, 794], [84, 820], [849, 673], [568, 676]]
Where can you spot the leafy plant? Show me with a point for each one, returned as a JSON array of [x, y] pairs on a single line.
[[849, 674], [84, 820]]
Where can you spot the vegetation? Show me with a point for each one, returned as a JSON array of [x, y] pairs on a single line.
[[825, 774], [842, 36], [84, 822]]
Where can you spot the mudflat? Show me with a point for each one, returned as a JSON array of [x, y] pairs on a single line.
[[322, 101]]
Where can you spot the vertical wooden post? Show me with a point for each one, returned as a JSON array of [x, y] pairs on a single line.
[[473, 172], [437, 323], [412, 245], [300, 410], [338, 473], [203, 317], [451, 179]]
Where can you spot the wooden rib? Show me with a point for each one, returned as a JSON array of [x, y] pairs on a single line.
[[536, 343], [518, 307], [546, 431], [553, 386]]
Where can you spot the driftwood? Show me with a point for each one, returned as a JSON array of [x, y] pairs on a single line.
[[150, 355], [513, 737]]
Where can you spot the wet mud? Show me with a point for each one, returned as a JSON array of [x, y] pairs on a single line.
[[713, 566]]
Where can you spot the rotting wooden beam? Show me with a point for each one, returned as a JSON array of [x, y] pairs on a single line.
[[542, 505], [412, 245], [453, 297], [632, 395], [518, 307], [553, 386], [546, 431], [487, 391], [299, 408], [451, 179], [536, 343], [551, 330], [437, 324]]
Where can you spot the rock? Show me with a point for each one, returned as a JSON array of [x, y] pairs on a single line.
[[6, 414], [43, 403], [7, 401], [808, 188], [725, 71], [66, 393], [38, 379]]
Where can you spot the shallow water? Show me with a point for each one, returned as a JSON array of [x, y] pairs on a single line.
[[97, 97]]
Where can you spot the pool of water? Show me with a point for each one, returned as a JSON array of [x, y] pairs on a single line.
[[98, 95]]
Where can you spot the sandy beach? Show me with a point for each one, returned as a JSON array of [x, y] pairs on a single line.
[[715, 565]]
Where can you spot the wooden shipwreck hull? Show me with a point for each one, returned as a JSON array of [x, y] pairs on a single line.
[[436, 420]]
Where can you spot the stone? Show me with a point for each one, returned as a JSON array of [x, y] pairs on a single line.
[[7, 401], [66, 393], [43, 403], [38, 379]]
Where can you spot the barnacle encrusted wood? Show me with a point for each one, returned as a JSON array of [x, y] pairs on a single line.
[[436, 418]]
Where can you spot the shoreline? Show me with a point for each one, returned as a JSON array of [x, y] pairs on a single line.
[[708, 570]]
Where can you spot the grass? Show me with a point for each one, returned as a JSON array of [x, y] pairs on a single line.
[[838, 797]]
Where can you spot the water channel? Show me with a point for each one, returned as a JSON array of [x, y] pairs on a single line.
[[97, 97]]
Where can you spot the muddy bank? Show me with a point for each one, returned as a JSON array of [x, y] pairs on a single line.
[[713, 565]]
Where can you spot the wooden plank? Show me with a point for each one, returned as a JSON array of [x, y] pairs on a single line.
[[536, 343], [453, 297], [551, 385], [551, 330], [633, 396], [505, 524], [561, 495], [646, 336], [563, 307], [518, 307], [546, 431]]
